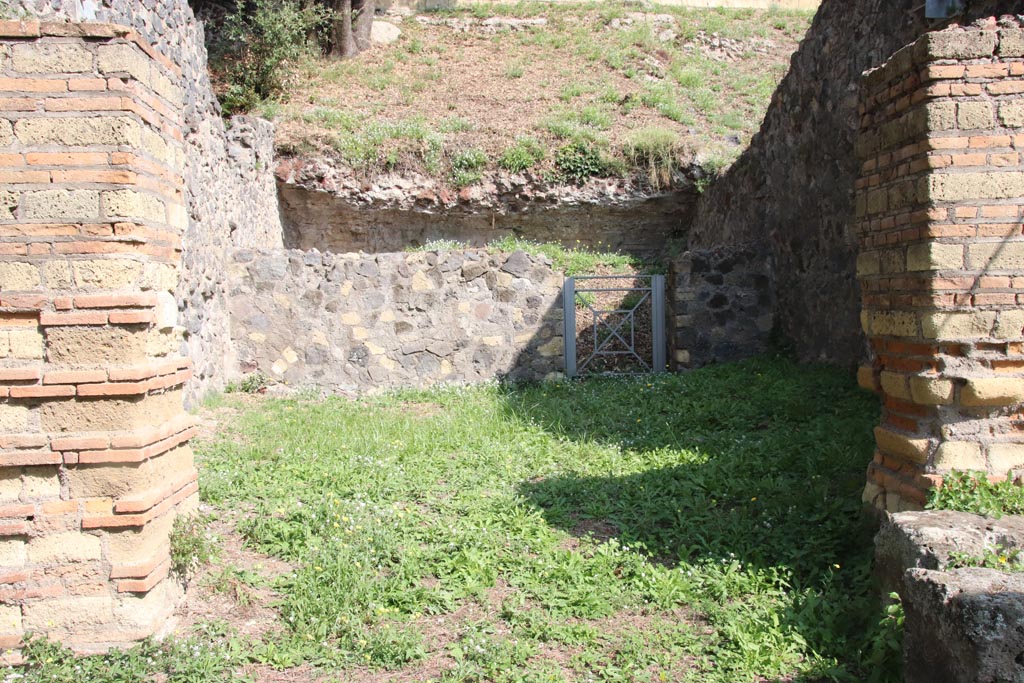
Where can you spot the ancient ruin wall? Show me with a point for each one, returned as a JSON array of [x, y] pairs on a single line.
[[792, 189], [229, 182], [94, 459], [328, 208], [721, 305], [940, 205], [348, 322]]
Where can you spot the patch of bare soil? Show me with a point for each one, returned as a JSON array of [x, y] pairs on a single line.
[[218, 591], [476, 85]]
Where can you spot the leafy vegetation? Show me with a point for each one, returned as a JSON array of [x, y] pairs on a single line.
[[695, 527], [258, 45], [1006, 559], [596, 75], [523, 155], [579, 161], [467, 166], [576, 260], [191, 548], [973, 492], [250, 384]]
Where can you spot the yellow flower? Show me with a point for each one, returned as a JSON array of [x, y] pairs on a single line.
[[1002, 559]]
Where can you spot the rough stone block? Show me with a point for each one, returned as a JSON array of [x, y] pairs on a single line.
[[895, 384], [58, 275], [68, 614], [12, 550], [51, 58], [79, 132], [25, 343], [893, 323], [6, 133], [97, 415], [72, 546], [1011, 43], [963, 625], [997, 256], [913, 449], [1003, 457], [940, 116], [1011, 114], [128, 545], [974, 115], [992, 391], [935, 256], [1010, 325], [132, 204], [931, 390], [19, 276], [868, 263], [10, 487], [95, 345], [62, 204], [923, 540], [10, 620], [957, 325], [41, 483], [961, 186], [116, 273], [959, 455], [118, 59], [956, 45]]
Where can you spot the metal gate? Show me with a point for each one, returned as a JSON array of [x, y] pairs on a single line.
[[614, 324]]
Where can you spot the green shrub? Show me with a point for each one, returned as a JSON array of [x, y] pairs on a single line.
[[973, 492], [578, 161], [191, 548], [523, 155], [259, 42], [467, 166], [250, 384], [656, 150]]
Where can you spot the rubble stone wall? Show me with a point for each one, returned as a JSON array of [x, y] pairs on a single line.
[[939, 206], [721, 305], [94, 455], [348, 322]]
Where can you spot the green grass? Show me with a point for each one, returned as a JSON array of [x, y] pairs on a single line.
[[569, 260], [699, 527]]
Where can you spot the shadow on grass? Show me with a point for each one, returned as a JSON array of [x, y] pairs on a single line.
[[752, 468]]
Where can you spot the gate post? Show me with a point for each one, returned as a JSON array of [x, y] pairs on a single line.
[[658, 323], [569, 315]]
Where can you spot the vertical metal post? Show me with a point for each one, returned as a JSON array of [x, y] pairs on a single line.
[[658, 322], [569, 317]]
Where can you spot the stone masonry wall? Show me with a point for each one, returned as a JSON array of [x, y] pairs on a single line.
[[791, 190], [939, 205], [361, 322], [721, 305], [229, 173], [94, 459]]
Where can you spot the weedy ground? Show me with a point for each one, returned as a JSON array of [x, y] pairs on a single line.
[[697, 527], [600, 89]]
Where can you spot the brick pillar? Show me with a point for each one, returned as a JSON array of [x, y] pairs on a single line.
[[941, 267], [94, 455]]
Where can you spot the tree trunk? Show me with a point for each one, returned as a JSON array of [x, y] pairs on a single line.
[[365, 9], [343, 43]]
